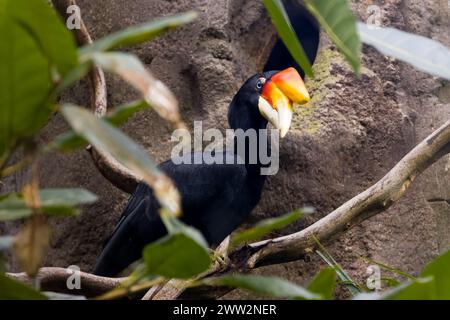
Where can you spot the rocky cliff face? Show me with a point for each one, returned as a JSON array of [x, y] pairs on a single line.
[[351, 133]]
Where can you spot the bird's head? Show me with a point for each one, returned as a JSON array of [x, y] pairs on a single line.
[[269, 96]]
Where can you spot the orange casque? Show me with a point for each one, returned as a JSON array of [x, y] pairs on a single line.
[[286, 86]]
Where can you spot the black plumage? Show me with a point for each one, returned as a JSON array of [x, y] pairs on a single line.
[[216, 198]]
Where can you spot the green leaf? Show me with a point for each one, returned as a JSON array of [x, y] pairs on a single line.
[[348, 282], [122, 113], [141, 33], [131, 69], [391, 282], [70, 141], [174, 225], [324, 283], [58, 202], [280, 20], [266, 226], [42, 23], [422, 53], [10, 210], [419, 289], [13, 290], [338, 21], [182, 254], [267, 286], [439, 268], [24, 85], [36, 45], [107, 139], [66, 197]]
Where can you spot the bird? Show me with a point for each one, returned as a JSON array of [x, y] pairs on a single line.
[[307, 30], [215, 198]]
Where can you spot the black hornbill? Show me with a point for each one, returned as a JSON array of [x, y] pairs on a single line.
[[216, 198]]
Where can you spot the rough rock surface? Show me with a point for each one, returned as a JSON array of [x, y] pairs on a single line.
[[353, 131]]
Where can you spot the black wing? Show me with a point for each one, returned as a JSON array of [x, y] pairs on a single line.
[[207, 193]]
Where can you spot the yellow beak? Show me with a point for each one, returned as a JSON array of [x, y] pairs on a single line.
[[278, 96]]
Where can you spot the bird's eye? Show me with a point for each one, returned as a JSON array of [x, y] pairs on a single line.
[[260, 83]]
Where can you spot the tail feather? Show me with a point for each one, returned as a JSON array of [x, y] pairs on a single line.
[[134, 231]]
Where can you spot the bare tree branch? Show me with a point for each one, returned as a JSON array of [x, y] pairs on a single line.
[[293, 247], [374, 200], [55, 280]]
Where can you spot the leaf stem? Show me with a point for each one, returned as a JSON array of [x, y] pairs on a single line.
[[391, 269]]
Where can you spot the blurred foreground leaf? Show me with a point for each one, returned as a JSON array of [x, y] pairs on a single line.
[[59, 202], [44, 25], [433, 284], [422, 53], [338, 21], [281, 21], [439, 268], [267, 286], [13, 290], [347, 281], [266, 226], [324, 283], [70, 141], [153, 91], [182, 254], [419, 289], [105, 138], [24, 85]]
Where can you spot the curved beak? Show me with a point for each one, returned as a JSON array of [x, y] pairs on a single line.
[[279, 94]]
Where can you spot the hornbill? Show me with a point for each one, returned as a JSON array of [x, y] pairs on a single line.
[[216, 198]]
